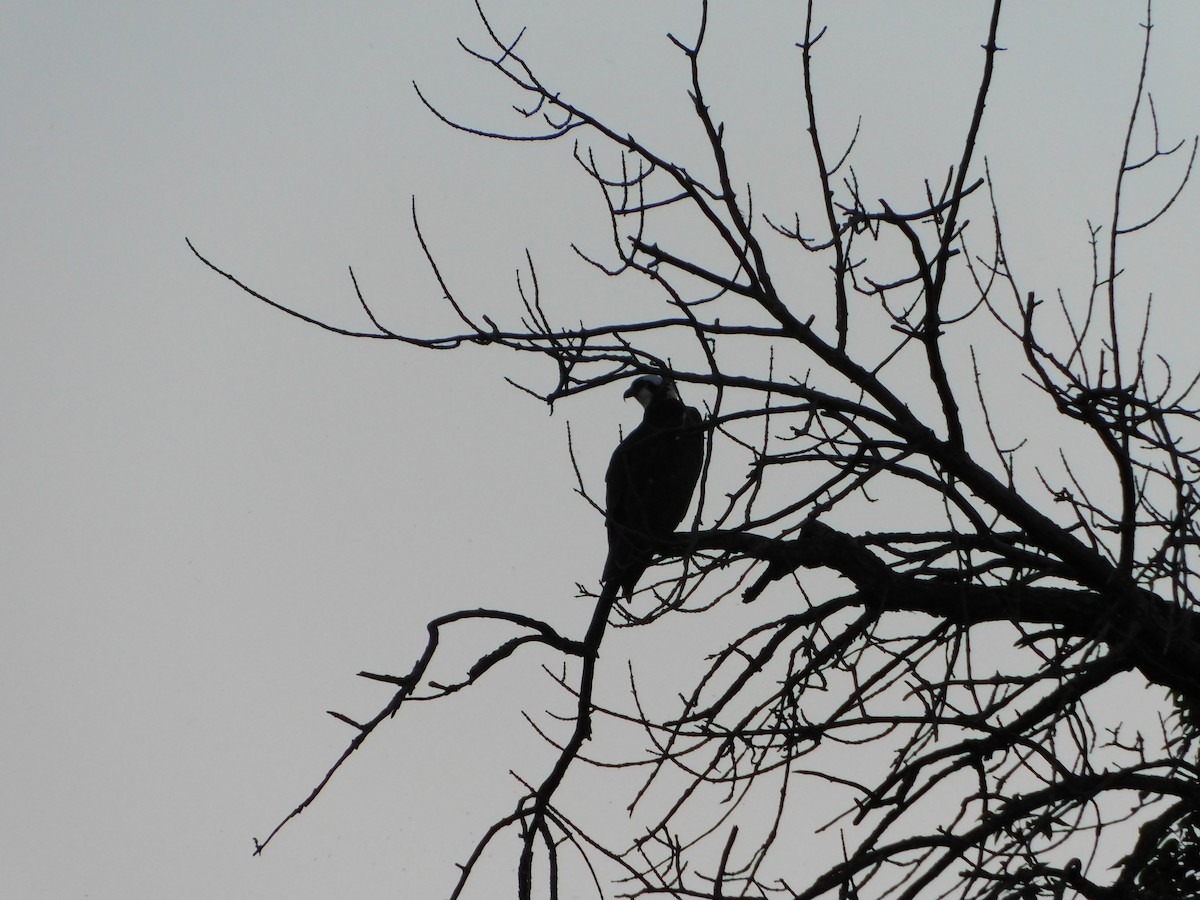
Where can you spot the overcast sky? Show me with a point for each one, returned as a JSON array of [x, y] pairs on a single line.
[[215, 515]]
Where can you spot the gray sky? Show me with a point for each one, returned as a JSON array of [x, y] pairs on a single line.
[[216, 515]]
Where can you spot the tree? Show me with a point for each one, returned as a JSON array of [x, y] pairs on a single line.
[[965, 615]]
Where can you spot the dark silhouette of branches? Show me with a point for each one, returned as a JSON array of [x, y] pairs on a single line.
[[950, 681]]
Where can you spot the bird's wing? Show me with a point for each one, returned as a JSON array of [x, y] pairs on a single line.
[[623, 514]]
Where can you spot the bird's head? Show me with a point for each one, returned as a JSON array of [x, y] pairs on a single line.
[[648, 388]]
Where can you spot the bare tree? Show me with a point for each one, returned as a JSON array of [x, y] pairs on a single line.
[[953, 680]]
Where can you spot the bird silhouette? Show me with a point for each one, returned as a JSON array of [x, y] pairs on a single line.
[[650, 480]]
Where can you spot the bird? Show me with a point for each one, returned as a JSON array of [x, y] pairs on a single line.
[[650, 480]]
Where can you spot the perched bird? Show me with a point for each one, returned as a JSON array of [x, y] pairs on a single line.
[[650, 480]]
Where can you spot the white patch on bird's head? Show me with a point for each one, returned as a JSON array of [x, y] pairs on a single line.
[[646, 387]]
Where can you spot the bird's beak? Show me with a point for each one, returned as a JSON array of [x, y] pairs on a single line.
[[629, 393]]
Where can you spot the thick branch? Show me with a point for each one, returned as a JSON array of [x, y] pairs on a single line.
[[1161, 639]]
